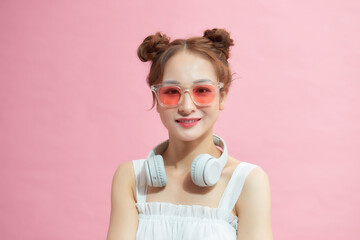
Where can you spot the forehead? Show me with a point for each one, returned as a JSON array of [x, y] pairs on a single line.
[[187, 68], [199, 81]]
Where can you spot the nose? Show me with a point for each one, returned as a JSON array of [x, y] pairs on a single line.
[[186, 105]]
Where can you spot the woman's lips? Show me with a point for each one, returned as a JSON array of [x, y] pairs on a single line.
[[187, 122]]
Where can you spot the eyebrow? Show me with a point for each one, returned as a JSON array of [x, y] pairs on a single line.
[[196, 81]]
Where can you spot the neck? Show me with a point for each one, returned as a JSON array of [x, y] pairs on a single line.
[[180, 154]]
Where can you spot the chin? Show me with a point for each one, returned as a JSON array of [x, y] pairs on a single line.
[[188, 136]]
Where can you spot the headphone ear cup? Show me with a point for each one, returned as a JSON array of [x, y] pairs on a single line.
[[155, 171], [212, 171], [198, 168]]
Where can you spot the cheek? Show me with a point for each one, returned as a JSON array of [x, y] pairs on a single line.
[[215, 114], [166, 117], [216, 110], [212, 113]]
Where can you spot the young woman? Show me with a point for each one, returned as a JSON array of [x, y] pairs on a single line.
[[187, 188]]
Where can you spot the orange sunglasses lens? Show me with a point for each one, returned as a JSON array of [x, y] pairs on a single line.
[[202, 94], [169, 95]]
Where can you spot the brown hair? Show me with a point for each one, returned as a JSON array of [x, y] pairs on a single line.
[[214, 45]]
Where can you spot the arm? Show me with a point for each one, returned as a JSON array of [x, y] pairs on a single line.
[[124, 215], [254, 208]]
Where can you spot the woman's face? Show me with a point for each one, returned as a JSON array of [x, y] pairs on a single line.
[[185, 68]]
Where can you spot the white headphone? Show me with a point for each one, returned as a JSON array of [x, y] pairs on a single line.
[[205, 169]]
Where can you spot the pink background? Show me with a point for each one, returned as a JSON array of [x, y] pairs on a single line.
[[74, 102]]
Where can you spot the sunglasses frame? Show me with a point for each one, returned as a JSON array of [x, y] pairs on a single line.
[[155, 88]]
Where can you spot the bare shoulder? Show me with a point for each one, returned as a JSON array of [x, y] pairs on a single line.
[[257, 185], [124, 169], [254, 207], [124, 215], [125, 176], [256, 179]]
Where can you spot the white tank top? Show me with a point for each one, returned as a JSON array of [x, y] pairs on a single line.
[[167, 221]]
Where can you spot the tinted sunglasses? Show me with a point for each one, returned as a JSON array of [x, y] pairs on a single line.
[[170, 95]]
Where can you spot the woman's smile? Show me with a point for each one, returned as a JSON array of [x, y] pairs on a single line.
[[187, 122]]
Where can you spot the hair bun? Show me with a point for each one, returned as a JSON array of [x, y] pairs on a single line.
[[152, 45], [221, 40]]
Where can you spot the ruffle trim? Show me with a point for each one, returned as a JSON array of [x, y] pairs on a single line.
[[170, 211]]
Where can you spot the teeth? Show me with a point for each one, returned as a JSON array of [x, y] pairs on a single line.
[[187, 121]]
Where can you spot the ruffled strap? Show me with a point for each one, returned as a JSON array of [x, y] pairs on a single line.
[[141, 184], [235, 185]]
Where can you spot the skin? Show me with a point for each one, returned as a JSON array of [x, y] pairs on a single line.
[[253, 207]]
